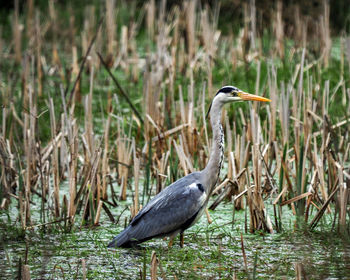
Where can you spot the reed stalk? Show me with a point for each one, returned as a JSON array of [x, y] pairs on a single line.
[[17, 36]]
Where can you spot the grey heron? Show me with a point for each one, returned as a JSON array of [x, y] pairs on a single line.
[[181, 204]]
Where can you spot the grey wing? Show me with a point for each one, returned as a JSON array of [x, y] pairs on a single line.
[[173, 209]]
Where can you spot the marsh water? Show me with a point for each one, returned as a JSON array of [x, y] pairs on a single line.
[[211, 251]]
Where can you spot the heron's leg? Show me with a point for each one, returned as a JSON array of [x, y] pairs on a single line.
[[182, 239], [208, 216], [172, 237], [170, 244]]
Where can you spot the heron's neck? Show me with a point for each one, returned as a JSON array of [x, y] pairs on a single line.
[[212, 170]]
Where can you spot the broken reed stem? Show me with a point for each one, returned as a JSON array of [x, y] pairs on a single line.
[[154, 265], [320, 213], [136, 180], [30, 148], [243, 253], [105, 167], [124, 151], [98, 213], [190, 8], [83, 64], [55, 170], [48, 223], [38, 53], [121, 91], [279, 30], [111, 28], [16, 30], [73, 144]]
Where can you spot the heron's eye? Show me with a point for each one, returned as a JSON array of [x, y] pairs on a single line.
[[234, 93]]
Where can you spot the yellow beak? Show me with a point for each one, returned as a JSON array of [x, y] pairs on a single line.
[[252, 97]]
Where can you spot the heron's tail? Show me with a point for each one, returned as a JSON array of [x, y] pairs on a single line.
[[122, 239]]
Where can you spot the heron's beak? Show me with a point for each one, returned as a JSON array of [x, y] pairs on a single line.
[[247, 96]]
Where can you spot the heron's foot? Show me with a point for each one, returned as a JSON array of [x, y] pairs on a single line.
[[182, 240]]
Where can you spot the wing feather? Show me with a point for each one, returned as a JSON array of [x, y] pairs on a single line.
[[176, 206]]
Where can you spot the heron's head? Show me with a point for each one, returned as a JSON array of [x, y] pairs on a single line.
[[228, 94]]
